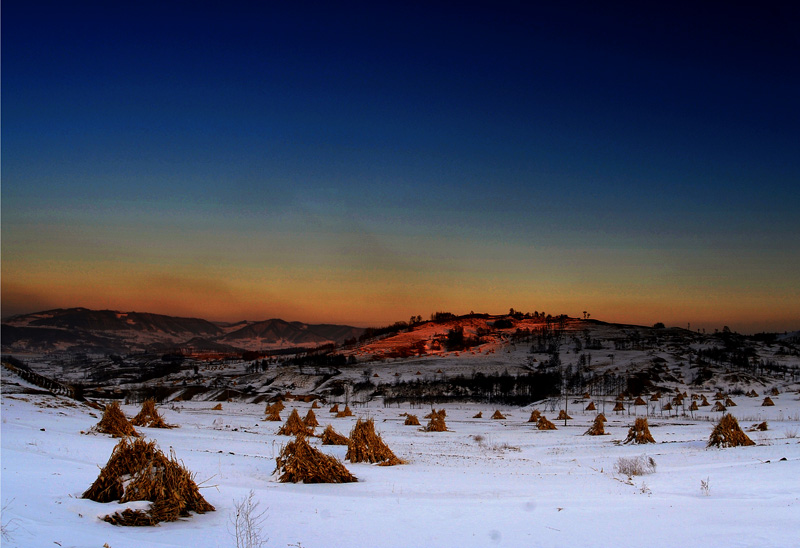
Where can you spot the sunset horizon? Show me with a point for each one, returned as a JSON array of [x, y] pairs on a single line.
[[361, 164]]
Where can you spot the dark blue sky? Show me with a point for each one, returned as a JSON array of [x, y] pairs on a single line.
[[366, 161]]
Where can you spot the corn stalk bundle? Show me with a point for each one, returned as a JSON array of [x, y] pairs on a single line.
[[597, 428], [498, 415], [436, 424], [346, 413], [478, 415], [562, 415], [411, 420], [591, 407], [310, 420], [138, 470], [298, 462], [619, 406], [276, 407], [728, 433], [639, 432], [273, 414], [150, 417], [760, 427], [768, 402], [332, 437], [545, 424], [535, 414], [114, 422], [367, 446], [294, 426]]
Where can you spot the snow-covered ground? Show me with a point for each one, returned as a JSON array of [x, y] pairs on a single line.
[[484, 483]]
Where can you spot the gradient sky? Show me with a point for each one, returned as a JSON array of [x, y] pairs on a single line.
[[363, 162]]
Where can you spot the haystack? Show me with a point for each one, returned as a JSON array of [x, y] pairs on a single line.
[[535, 414], [601, 417], [478, 415], [335, 408], [434, 413], [150, 417], [597, 428], [775, 392], [760, 427], [768, 402], [277, 406], [728, 433], [138, 470], [332, 437], [694, 407], [704, 402], [619, 407], [315, 405], [718, 407], [114, 422], [639, 401], [498, 415], [273, 414], [752, 394], [590, 407], [294, 426], [587, 396], [639, 432], [667, 407], [367, 446], [217, 407], [655, 397], [346, 413], [411, 420], [562, 415], [310, 420], [729, 403], [545, 424], [436, 424], [298, 462], [719, 395]]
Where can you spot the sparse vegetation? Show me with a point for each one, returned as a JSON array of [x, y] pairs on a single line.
[[635, 466], [248, 523]]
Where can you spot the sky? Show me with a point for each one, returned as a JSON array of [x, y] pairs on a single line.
[[362, 162]]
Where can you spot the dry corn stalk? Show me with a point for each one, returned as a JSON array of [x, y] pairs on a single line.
[[728, 433], [367, 446], [138, 470], [298, 462], [332, 437], [639, 432], [114, 422]]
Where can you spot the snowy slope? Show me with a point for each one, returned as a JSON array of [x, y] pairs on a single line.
[[484, 483]]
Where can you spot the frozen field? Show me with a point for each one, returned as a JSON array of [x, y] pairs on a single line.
[[484, 483]]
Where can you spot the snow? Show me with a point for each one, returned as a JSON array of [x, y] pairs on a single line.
[[484, 483]]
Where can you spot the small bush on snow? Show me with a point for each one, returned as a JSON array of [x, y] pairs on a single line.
[[635, 466]]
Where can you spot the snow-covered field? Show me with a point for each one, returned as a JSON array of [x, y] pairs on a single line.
[[484, 483]]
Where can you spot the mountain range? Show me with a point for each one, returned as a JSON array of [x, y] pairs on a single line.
[[85, 330]]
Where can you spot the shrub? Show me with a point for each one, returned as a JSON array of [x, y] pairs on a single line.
[[635, 466]]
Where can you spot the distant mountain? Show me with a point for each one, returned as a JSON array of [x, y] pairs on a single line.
[[274, 332], [85, 330]]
